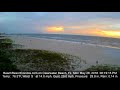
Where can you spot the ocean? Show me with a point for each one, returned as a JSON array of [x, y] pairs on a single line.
[[93, 40]]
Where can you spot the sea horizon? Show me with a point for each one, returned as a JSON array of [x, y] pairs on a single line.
[[60, 34]]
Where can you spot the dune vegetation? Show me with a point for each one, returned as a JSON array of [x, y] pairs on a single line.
[[42, 60], [104, 67], [5, 63]]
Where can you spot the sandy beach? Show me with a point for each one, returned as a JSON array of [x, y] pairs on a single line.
[[90, 53]]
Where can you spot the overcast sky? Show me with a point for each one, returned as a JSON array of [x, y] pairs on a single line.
[[85, 23]]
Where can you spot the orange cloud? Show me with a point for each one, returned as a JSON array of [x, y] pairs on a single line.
[[92, 29], [55, 29], [96, 32], [111, 33], [84, 31]]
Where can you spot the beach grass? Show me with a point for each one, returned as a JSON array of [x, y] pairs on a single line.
[[104, 67], [41, 60], [5, 43], [5, 63]]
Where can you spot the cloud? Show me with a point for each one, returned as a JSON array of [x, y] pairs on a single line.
[[19, 22], [88, 23], [54, 29]]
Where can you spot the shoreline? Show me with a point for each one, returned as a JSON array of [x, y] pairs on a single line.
[[97, 45], [90, 53], [89, 44]]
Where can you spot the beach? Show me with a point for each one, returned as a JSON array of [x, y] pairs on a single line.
[[90, 53]]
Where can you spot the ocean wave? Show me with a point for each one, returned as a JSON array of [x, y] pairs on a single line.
[[89, 40]]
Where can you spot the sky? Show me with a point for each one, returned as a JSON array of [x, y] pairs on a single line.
[[81, 23]]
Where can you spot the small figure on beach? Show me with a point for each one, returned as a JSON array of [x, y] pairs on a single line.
[[96, 62]]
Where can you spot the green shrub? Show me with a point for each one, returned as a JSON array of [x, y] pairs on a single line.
[[7, 67], [41, 60], [5, 63], [104, 67], [6, 43]]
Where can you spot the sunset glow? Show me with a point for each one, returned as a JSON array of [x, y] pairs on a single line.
[[111, 33], [54, 29]]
